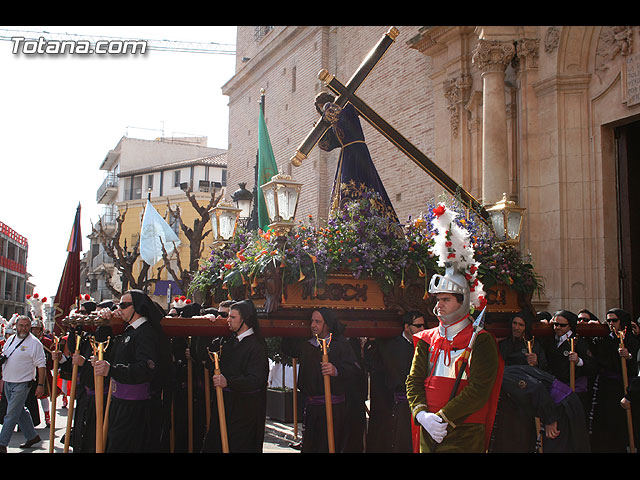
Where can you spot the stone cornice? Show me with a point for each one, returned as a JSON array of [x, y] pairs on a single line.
[[562, 82]]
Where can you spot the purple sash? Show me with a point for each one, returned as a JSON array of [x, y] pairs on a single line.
[[319, 399], [400, 397], [559, 391], [126, 391]]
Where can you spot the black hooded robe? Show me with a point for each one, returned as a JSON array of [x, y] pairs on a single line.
[[311, 386], [141, 357], [245, 366]]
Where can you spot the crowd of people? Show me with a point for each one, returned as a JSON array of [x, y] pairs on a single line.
[[413, 392], [565, 392]]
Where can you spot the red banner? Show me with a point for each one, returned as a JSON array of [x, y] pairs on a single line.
[[69, 288]]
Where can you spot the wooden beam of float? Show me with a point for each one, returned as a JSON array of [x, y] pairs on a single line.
[[295, 323], [359, 304]]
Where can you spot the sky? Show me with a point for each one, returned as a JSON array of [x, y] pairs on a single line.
[[61, 114]]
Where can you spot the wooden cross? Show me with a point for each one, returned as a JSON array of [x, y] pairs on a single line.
[[346, 94]]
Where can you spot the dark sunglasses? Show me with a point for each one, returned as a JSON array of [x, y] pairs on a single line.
[[556, 324], [123, 305]]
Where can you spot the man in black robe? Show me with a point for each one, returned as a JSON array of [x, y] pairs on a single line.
[[559, 355], [395, 357], [609, 427], [138, 418], [342, 368], [528, 392], [183, 348], [244, 373], [515, 348]]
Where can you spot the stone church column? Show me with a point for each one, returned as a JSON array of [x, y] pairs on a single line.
[[492, 57]]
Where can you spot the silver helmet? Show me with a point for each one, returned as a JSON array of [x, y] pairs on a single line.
[[452, 282]]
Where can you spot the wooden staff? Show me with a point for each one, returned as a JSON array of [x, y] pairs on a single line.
[[572, 370], [625, 383], [537, 419], [172, 438], [190, 395], [105, 423], [54, 394], [327, 397], [98, 380], [294, 362], [221, 415], [72, 398], [207, 396]]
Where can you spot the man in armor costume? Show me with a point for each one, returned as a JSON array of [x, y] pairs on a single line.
[[447, 416]]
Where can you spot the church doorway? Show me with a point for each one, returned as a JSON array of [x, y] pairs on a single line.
[[628, 183]]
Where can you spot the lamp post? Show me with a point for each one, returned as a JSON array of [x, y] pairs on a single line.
[[506, 217], [224, 221], [281, 196], [243, 199]]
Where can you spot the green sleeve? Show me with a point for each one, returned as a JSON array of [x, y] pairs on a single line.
[[483, 368], [415, 380]]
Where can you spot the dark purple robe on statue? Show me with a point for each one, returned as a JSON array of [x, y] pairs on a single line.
[[355, 172]]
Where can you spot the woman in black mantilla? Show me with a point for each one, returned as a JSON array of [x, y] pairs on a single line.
[[355, 172], [138, 417], [244, 368]]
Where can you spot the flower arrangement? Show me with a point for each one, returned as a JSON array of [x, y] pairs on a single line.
[[360, 240], [496, 262]]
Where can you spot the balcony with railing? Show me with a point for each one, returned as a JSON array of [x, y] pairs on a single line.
[[108, 189]]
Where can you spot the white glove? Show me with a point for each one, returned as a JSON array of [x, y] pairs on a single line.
[[433, 424]]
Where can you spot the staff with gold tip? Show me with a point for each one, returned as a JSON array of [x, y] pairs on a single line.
[[327, 366], [240, 378], [139, 369]]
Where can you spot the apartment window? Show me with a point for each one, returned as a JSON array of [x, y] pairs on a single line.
[[224, 177], [176, 178], [149, 182], [261, 32], [136, 188]]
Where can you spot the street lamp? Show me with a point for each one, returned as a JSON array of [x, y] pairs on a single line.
[[281, 196], [506, 217], [243, 199], [224, 220]]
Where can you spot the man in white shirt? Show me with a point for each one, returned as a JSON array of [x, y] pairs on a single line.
[[23, 354]]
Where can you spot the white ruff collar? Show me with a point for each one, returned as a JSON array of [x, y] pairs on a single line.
[[452, 330]]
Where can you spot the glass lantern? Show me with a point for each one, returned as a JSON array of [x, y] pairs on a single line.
[[243, 199], [224, 221], [281, 196], [506, 217]]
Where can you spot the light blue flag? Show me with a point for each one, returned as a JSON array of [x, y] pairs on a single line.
[[155, 232]]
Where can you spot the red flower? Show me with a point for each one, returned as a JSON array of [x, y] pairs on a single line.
[[439, 210], [447, 244], [483, 301], [228, 266], [451, 255]]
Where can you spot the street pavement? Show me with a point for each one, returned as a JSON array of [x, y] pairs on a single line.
[[278, 436]]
